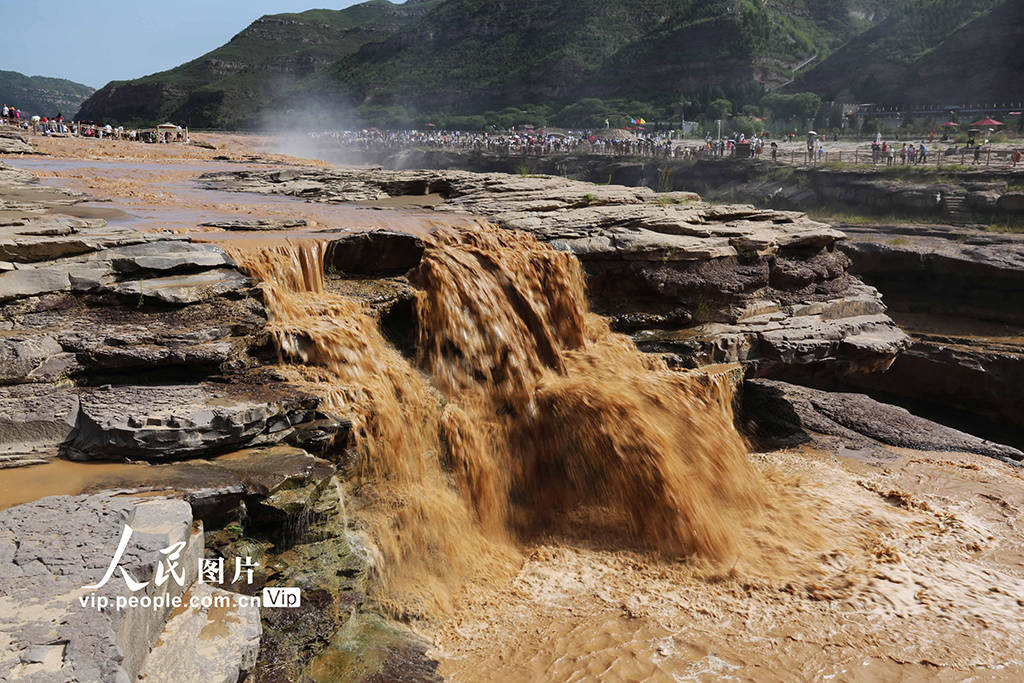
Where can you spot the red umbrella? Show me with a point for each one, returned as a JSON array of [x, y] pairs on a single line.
[[950, 124], [987, 122], [430, 125]]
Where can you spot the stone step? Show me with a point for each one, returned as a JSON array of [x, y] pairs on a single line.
[[216, 641]]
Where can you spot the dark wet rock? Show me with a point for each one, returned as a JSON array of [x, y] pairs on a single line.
[[379, 253], [50, 549], [794, 413], [281, 487], [1012, 202], [293, 636], [369, 648], [661, 258], [183, 421], [256, 224]]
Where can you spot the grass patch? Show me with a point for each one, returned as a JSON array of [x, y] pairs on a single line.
[[833, 215], [1010, 226]]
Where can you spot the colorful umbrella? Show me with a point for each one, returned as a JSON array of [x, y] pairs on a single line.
[[950, 124], [987, 122]]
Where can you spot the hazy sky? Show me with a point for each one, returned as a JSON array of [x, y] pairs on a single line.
[[96, 41]]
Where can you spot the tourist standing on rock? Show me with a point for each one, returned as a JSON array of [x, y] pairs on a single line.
[[903, 154], [775, 150], [891, 158], [923, 156], [1015, 157]]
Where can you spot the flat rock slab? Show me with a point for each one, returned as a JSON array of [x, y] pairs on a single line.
[[187, 289], [50, 550], [792, 411], [183, 421], [215, 644], [256, 224]]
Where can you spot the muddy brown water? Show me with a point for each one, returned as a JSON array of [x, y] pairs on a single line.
[[679, 556]]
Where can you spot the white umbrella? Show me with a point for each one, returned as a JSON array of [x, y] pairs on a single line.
[[812, 132]]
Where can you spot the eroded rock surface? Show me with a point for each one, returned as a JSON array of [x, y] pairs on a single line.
[[51, 550], [957, 291], [794, 413], [768, 288], [216, 643], [13, 142], [117, 333]]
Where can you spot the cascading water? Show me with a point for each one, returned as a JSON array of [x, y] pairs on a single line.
[[521, 407]]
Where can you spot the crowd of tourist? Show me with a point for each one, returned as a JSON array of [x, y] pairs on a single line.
[[57, 125], [638, 143], [512, 143]]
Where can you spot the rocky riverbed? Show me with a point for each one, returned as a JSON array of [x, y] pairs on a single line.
[[140, 383]]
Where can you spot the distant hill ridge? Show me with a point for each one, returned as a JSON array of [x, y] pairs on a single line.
[[388, 64], [40, 95], [930, 51]]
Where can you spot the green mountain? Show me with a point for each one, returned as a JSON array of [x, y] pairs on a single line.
[[388, 64], [264, 65], [930, 51], [41, 95]]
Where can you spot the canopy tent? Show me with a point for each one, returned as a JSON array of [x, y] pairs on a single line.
[[987, 122], [167, 126]]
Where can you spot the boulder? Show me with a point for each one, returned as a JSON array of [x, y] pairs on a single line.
[[218, 643], [1012, 201], [165, 257], [50, 550]]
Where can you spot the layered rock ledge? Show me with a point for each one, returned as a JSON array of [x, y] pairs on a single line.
[[703, 283], [957, 291], [123, 345]]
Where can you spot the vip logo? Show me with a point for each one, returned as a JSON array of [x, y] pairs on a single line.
[[281, 597]]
